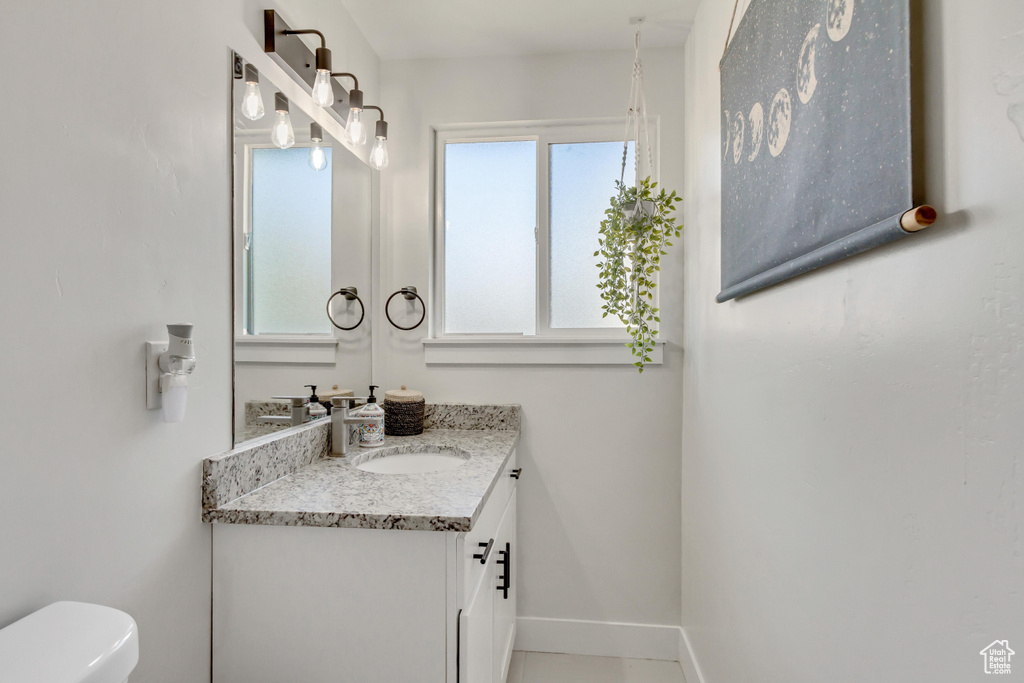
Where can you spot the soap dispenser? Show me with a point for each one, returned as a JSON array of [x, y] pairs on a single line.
[[371, 425]]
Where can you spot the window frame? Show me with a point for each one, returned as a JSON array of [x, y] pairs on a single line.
[[244, 332], [545, 134]]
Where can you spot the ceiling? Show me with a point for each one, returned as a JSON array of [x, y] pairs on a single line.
[[424, 29]]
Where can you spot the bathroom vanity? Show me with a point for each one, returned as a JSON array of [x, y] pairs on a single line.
[[390, 564], [325, 572]]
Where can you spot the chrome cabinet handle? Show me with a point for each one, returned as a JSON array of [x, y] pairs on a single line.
[[486, 553]]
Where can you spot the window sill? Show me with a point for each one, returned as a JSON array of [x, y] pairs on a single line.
[[533, 351], [286, 349]]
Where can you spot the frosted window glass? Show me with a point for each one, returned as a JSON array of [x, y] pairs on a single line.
[[490, 263], [291, 242], [583, 179]]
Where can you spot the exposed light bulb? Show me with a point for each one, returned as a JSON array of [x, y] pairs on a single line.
[[317, 157], [379, 154], [252, 102], [323, 91], [355, 131], [282, 134]]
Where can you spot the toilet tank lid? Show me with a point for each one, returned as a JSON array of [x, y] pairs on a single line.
[[70, 642]]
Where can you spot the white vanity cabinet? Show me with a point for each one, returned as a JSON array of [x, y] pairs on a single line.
[[504, 623], [314, 604], [487, 619]]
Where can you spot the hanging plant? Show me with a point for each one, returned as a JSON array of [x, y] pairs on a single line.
[[633, 236], [637, 228]]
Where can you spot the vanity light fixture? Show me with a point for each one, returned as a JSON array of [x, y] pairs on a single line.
[[317, 155], [379, 153], [355, 131], [323, 91], [282, 134], [252, 100]]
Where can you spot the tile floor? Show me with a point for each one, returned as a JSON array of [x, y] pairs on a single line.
[[542, 667]]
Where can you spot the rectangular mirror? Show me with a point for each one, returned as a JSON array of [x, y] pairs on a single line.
[[301, 229]]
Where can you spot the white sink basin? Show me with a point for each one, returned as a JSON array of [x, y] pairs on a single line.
[[410, 463]]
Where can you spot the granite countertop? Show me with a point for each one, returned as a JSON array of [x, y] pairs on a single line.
[[312, 490]]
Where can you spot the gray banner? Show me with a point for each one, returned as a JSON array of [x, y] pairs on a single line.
[[816, 156], [876, 235]]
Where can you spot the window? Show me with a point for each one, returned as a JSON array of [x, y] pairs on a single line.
[[518, 217], [288, 250], [490, 213], [582, 181]]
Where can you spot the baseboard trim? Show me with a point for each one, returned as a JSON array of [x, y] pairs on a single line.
[[599, 638], [687, 660]]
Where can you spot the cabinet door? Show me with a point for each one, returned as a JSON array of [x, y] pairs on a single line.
[[476, 624], [506, 576]]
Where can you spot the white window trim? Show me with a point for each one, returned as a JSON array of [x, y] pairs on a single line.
[[549, 345], [279, 349], [531, 350]]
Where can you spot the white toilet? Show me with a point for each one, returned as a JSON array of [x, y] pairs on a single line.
[[70, 642]]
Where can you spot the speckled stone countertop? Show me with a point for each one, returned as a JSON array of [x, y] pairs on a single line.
[[332, 492]]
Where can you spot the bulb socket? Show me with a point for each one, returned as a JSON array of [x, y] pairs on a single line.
[[316, 132], [280, 102], [355, 99], [323, 59], [382, 129], [251, 74]]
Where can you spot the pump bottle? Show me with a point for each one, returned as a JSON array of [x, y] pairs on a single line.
[[371, 426]]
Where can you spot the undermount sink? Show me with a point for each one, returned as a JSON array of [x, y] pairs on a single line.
[[419, 462]]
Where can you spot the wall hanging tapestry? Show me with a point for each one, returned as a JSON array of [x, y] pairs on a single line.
[[816, 138]]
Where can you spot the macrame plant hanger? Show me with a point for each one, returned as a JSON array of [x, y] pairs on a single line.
[[636, 118]]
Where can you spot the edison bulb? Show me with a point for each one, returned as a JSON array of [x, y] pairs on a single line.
[[355, 131], [379, 154], [323, 91], [282, 134], [317, 158], [252, 102]]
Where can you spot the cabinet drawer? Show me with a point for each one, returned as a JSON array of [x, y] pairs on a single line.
[[485, 531]]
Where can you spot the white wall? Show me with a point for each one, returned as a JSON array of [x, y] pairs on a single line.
[[852, 489], [599, 497], [116, 196]]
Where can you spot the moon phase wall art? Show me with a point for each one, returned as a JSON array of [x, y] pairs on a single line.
[[816, 146]]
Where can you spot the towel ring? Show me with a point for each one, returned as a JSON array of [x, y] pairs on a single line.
[[409, 293], [350, 294]]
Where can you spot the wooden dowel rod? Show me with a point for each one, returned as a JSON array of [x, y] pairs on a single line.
[[919, 218]]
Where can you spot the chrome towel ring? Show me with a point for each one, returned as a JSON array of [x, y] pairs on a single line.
[[409, 293], [350, 294]]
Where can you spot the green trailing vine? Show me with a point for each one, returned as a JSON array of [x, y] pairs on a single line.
[[637, 228]]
